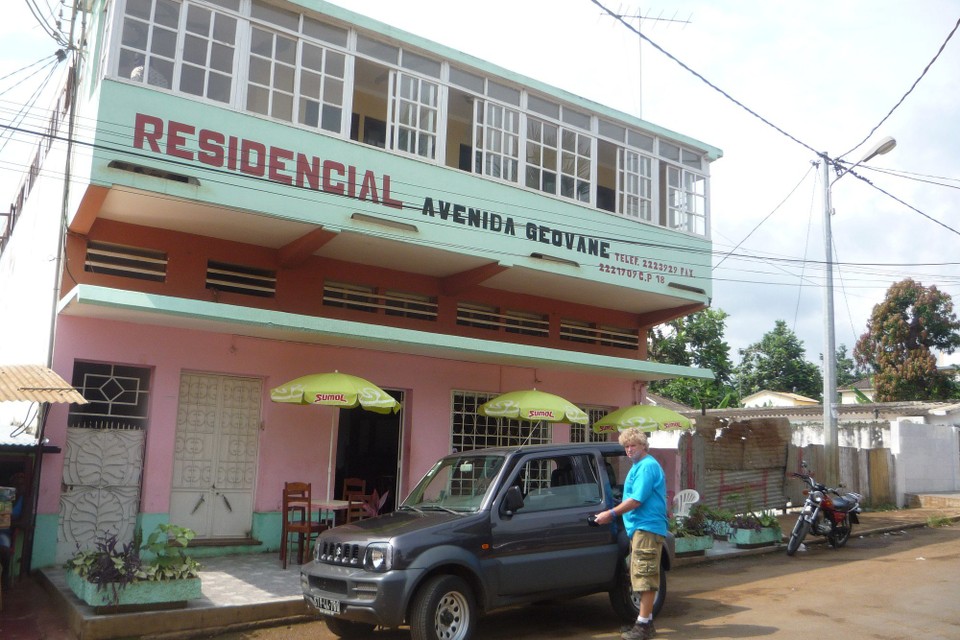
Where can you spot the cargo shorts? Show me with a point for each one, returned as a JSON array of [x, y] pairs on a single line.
[[645, 550]]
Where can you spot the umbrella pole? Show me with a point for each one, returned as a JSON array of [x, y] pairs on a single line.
[[333, 425]]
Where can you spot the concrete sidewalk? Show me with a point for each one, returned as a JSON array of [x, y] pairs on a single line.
[[253, 590], [871, 523]]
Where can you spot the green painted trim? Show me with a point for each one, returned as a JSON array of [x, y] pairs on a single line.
[[126, 306], [45, 540]]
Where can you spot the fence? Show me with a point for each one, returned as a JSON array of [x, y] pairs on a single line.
[[743, 465]]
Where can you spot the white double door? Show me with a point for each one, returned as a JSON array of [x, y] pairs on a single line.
[[215, 459]]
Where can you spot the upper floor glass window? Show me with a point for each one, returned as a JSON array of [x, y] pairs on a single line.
[[155, 31], [297, 68], [497, 141], [686, 200], [416, 106]]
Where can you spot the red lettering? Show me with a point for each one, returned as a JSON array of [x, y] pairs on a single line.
[[352, 181], [141, 135], [329, 167], [330, 397], [176, 140], [253, 158], [368, 190], [308, 171], [232, 153], [277, 165], [211, 148], [387, 200]]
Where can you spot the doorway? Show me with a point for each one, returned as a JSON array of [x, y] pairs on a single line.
[[368, 447]]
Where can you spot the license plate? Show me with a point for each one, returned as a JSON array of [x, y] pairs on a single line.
[[326, 605]]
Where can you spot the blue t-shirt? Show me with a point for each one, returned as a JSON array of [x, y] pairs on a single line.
[[647, 485]]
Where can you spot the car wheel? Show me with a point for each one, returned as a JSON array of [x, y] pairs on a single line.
[[626, 602], [443, 609]]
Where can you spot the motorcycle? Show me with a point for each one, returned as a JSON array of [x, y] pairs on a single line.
[[826, 512]]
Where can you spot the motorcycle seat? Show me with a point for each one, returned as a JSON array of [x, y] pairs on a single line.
[[844, 503]]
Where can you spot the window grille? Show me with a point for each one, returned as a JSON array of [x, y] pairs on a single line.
[[471, 431], [584, 432], [234, 278], [126, 262], [584, 332], [391, 303], [118, 396]]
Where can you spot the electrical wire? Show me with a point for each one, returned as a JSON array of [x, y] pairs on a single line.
[[700, 77], [909, 91]]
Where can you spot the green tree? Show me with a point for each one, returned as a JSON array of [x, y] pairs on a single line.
[[778, 363], [694, 341], [847, 370], [902, 333]]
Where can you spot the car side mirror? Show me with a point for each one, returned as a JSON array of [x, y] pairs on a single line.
[[512, 502]]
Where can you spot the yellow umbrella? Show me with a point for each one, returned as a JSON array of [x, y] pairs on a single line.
[[335, 390], [533, 405], [645, 416]]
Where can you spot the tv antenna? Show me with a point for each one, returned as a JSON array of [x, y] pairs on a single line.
[[640, 17]]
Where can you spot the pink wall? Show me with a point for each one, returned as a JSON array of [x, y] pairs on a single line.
[[294, 442]]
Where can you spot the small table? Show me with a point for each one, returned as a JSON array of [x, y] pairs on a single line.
[[328, 509]]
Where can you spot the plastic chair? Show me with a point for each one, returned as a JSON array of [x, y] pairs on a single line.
[[299, 527], [684, 501]]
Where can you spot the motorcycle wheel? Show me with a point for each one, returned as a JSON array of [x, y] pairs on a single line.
[[840, 533], [800, 531]]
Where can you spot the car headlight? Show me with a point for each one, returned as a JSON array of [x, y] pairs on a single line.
[[379, 557]]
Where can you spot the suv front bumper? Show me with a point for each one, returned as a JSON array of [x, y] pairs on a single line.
[[359, 595]]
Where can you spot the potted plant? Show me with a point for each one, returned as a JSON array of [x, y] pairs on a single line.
[[718, 521], [753, 529], [693, 534], [114, 576]]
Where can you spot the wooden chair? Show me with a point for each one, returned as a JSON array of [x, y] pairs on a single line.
[[356, 510], [299, 527], [354, 485]]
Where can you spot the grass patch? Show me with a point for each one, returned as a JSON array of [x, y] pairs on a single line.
[[939, 521]]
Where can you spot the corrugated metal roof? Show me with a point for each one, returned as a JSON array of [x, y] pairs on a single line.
[[35, 383]]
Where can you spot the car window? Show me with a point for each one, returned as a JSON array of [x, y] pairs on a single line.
[[617, 465], [558, 482]]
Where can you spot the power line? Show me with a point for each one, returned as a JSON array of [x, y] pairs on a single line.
[[904, 97], [703, 79]]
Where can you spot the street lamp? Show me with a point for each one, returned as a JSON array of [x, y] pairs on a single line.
[[831, 452]]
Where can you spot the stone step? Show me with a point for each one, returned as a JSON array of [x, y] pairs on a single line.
[[947, 500]]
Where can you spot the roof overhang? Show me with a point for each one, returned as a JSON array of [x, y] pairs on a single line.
[[35, 383], [152, 309]]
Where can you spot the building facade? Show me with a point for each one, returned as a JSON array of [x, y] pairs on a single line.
[[258, 191]]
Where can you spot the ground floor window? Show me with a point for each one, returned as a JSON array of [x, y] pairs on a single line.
[[118, 396], [584, 432], [470, 430]]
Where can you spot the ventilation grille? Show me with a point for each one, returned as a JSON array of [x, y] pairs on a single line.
[[487, 317], [126, 262], [240, 279], [391, 303], [586, 333], [150, 171]]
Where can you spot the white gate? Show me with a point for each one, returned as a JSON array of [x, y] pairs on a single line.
[[215, 460], [101, 495]]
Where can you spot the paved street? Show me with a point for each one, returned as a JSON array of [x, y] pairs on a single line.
[[891, 586]]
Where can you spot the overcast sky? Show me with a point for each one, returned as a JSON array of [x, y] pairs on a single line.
[[825, 72]]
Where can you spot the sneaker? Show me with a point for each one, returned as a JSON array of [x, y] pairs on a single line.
[[639, 631]]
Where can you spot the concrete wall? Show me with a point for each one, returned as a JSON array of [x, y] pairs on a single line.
[[927, 457]]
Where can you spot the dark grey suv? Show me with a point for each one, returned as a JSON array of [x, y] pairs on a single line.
[[482, 530]]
